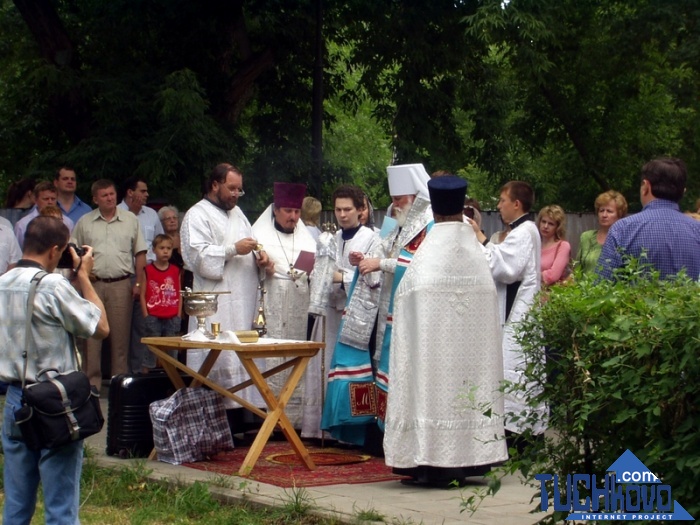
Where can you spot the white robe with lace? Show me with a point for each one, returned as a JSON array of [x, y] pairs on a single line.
[[206, 231], [517, 258], [286, 300], [445, 359]]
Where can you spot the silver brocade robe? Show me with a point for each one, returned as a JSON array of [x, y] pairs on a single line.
[[286, 300], [329, 302], [517, 258], [418, 218], [445, 358], [205, 232]]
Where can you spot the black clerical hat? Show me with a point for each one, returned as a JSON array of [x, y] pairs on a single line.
[[447, 194]]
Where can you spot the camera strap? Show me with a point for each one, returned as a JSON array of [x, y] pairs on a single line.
[[38, 276]]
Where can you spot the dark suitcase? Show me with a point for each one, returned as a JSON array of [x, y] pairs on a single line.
[[129, 429]]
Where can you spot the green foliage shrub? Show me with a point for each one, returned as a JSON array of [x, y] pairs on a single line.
[[623, 373]]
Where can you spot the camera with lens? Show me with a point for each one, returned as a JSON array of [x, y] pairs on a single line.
[[67, 258]]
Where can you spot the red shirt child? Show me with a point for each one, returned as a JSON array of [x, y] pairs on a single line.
[[160, 296]]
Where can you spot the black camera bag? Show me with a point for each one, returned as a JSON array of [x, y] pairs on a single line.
[[58, 411]]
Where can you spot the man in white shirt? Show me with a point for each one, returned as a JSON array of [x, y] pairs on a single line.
[[135, 198]]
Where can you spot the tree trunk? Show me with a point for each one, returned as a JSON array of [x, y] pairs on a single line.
[[317, 107], [68, 107], [240, 88]]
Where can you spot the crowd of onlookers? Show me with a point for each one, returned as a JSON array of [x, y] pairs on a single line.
[[412, 314], [27, 199], [133, 237]]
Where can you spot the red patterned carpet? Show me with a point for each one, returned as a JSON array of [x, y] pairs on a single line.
[[278, 465]]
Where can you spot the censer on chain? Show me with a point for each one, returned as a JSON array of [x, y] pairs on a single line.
[[259, 323]]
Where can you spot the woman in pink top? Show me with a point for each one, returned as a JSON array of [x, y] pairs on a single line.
[[556, 252]]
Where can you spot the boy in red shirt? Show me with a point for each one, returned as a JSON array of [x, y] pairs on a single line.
[[160, 297]]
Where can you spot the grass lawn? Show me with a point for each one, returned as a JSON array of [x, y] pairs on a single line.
[[126, 496]]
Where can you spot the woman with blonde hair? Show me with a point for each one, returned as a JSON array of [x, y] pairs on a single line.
[[609, 207], [311, 215], [556, 252]]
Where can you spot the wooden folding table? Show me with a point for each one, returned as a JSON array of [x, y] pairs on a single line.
[[298, 353]]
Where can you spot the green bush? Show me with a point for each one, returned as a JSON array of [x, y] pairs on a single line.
[[623, 372]]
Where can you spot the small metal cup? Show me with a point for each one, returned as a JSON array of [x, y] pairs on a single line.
[[215, 329]]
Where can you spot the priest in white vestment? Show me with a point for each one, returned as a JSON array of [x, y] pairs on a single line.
[[445, 360], [515, 266], [284, 238], [218, 247]]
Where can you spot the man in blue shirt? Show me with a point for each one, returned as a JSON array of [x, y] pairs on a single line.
[[670, 239], [70, 204]]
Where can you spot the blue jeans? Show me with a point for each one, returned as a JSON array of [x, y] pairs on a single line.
[[58, 470], [157, 327]]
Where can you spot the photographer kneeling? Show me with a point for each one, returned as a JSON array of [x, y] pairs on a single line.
[[60, 315]]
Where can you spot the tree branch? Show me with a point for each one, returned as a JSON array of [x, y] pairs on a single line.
[[240, 88]]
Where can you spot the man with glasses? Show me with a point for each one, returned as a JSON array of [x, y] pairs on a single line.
[[218, 247]]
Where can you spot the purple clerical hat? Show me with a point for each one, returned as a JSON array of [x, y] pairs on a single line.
[[289, 194]]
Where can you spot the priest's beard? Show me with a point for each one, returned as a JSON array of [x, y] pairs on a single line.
[[401, 214]]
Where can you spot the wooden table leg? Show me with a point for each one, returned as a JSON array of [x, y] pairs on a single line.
[[166, 360], [206, 366], [287, 428], [275, 414]]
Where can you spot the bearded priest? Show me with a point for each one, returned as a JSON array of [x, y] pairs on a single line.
[[445, 358], [286, 281], [410, 207]]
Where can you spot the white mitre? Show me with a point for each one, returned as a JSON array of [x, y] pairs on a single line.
[[408, 179]]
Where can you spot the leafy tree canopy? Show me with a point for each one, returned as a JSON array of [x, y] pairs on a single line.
[[572, 96]]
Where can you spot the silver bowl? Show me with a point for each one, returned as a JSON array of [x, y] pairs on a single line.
[[201, 305]]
